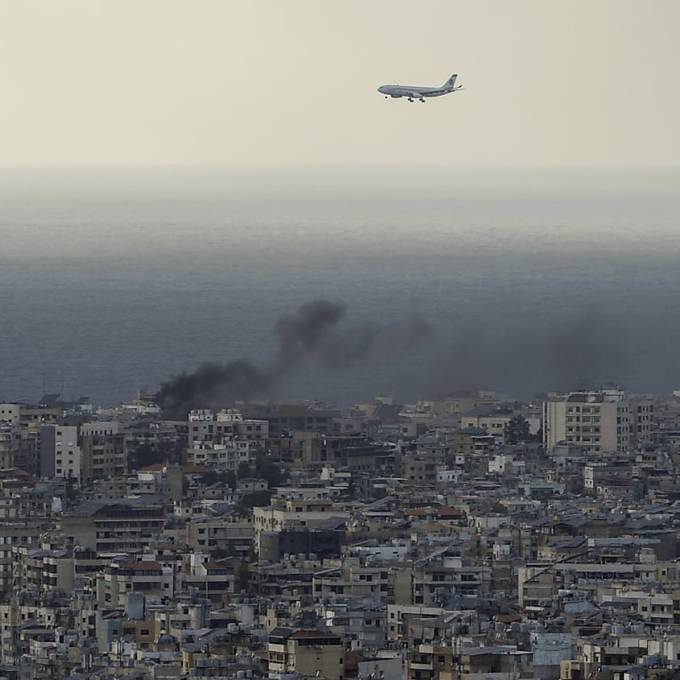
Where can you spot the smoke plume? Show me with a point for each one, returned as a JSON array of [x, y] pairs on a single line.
[[580, 352], [307, 331], [344, 348]]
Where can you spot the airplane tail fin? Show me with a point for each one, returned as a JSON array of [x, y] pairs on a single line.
[[451, 82]]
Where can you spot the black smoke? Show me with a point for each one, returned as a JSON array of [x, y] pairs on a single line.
[[581, 351], [310, 330], [299, 333], [211, 383], [344, 348]]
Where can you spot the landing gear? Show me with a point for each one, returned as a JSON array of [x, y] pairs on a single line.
[[386, 96], [422, 99], [411, 100]]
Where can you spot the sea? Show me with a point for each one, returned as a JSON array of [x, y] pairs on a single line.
[[529, 279]]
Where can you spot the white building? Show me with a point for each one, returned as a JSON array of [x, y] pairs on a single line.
[[10, 413], [60, 455], [227, 455], [505, 464], [206, 426], [446, 475], [100, 428]]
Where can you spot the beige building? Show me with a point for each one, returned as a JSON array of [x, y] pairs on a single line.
[[215, 534], [492, 423], [122, 578], [598, 421], [22, 533], [309, 653], [435, 662], [124, 525], [103, 455], [294, 513]]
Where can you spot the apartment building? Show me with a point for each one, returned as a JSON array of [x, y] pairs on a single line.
[[307, 653], [103, 455], [224, 455], [205, 426], [123, 525], [60, 454], [120, 579], [597, 421]]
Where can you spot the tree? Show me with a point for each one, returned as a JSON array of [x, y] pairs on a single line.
[[152, 453], [243, 470], [269, 471], [226, 477], [230, 479], [209, 478], [517, 430], [256, 499]]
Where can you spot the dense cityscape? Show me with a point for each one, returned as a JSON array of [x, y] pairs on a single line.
[[471, 537], [338, 340]]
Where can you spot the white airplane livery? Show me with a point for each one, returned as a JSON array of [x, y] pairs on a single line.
[[416, 92]]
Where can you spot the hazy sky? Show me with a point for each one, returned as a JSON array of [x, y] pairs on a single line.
[[585, 82]]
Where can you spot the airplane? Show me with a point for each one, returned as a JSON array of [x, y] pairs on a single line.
[[416, 92]]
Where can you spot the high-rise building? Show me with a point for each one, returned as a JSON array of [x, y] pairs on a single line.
[[103, 455], [60, 455], [597, 421]]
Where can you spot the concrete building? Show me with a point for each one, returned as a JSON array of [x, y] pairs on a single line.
[[493, 421], [10, 413], [216, 534], [103, 455], [13, 535], [121, 579], [309, 653], [6, 447], [60, 455], [205, 426], [227, 454], [598, 421], [124, 525]]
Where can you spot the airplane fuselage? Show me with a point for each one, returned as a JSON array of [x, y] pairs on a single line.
[[412, 92]]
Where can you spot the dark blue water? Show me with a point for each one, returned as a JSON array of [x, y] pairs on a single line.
[[112, 280]]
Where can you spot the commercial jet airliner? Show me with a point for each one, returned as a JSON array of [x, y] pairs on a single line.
[[416, 92]]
